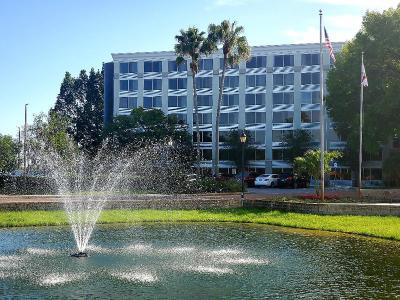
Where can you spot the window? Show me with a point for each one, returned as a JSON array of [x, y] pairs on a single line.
[[130, 67], [284, 79], [256, 80], [205, 64], [177, 84], [255, 117], [229, 118], [223, 136], [206, 154], [282, 117], [123, 85], [315, 134], [176, 101], [255, 99], [204, 100], [310, 78], [172, 66], [149, 102], [128, 85], [204, 82], [283, 98], [180, 118], [310, 116], [310, 97], [205, 137], [231, 81], [310, 59], [152, 84], [283, 60], [221, 64], [229, 100], [257, 137], [224, 154], [203, 118], [277, 135], [152, 66], [128, 102], [257, 154], [279, 154], [257, 62]]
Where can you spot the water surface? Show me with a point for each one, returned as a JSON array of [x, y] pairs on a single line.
[[197, 261]]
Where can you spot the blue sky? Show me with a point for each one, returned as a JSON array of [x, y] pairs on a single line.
[[42, 39]]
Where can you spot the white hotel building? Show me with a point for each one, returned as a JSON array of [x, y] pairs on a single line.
[[276, 91]]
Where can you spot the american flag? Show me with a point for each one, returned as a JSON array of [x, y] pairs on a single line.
[[364, 79], [328, 45]]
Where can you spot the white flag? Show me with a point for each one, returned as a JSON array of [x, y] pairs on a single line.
[[364, 79]]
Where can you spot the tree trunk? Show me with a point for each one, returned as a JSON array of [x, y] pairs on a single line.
[[217, 118], [196, 115]]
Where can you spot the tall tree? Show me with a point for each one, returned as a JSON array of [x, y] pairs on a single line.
[[80, 105], [90, 115], [8, 154], [65, 105], [379, 39], [234, 48], [296, 143], [192, 44]]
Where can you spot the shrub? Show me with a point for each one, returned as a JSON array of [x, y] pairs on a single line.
[[29, 185]]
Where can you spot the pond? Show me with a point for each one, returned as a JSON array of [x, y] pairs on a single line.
[[197, 261]]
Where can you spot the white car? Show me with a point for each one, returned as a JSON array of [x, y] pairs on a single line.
[[267, 180]]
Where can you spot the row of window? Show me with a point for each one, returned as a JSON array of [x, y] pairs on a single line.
[[207, 64], [250, 99], [229, 82]]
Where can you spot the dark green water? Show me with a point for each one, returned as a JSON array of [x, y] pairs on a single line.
[[197, 261]]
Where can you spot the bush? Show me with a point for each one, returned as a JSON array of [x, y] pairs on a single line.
[[29, 185], [212, 185], [391, 170]]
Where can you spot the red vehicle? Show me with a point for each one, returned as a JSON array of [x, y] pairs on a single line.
[[249, 178]]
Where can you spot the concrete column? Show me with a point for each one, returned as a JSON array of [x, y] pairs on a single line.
[[268, 119], [242, 95], [297, 94], [116, 90], [215, 91], [164, 84], [189, 101], [140, 66]]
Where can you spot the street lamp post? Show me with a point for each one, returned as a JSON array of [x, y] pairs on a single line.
[[243, 138]]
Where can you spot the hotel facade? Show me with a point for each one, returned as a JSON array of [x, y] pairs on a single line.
[[273, 93]]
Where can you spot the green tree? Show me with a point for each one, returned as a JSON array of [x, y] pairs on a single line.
[[235, 148], [145, 127], [309, 164], [378, 38], [296, 143], [89, 122], [9, 150], [235, 49], [191, 44], [391, 170], [80, 105]]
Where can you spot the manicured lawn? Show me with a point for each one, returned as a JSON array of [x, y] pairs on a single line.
[[384, 227]]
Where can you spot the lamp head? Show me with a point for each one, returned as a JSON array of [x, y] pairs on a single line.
[[243, 137]]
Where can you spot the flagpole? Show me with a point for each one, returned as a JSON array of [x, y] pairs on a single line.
[[361, 129], [321, 111]]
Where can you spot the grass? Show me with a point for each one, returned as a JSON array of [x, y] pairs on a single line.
[[374, 226]]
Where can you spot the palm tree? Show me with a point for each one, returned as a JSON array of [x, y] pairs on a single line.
[[192, 43], [235, 49]]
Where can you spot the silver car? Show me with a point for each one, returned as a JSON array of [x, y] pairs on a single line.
[[267, 180]]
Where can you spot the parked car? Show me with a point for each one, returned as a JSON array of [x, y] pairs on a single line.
[[289, 180], [267, 180], [249, 178]]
